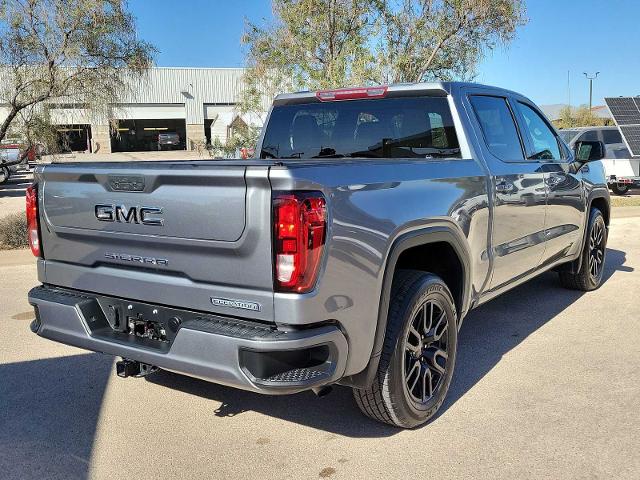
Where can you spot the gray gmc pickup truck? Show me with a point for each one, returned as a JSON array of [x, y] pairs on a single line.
[[350, 251]]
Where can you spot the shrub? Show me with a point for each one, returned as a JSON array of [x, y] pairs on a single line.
[[13, 231]]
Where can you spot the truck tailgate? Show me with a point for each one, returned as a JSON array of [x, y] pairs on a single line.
[[190, 234]]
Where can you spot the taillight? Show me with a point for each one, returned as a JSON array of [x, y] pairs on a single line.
[[33, 223], [300, 221], [351, 93]]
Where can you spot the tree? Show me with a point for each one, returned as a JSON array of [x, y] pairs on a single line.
[[316, 44], [56, 52], [579, 117], [441, 39], [310, 44], [566, 118]]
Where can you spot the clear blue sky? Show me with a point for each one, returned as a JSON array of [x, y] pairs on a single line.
[[561, 36]]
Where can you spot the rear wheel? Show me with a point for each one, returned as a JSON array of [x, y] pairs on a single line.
[[593, 257], [619, 189], [419, 353]]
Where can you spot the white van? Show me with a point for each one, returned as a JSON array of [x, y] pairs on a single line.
[[622, 171]]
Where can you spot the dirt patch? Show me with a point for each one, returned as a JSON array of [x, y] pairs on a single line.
[[13, 231], [327, 472], [625, 201], [24, 316]]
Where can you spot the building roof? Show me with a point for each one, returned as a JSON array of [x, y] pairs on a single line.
[[250, 119], [553, 111], [601, 111]]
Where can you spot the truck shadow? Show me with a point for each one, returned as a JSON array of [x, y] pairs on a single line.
[[49, 412], [486, 336], [493, 329]]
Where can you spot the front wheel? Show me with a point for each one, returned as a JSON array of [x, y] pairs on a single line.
[[419, 353], [593, 257]]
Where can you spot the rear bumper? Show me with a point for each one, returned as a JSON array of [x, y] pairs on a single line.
[[248, 355]]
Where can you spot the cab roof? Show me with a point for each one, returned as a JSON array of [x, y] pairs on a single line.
[[433, 88]]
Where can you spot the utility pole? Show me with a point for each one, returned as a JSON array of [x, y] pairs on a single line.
[[569, 89], [591, 78]]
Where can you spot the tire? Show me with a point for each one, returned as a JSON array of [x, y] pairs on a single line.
[[620, 189], [391, 398], [593, 257], [4, 175]]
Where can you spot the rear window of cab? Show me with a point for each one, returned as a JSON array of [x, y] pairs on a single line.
[[408, 127]]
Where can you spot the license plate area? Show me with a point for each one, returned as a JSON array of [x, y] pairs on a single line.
[[153, 325], [142, 328], [135, 323]]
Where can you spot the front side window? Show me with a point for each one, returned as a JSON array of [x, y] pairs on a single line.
[[498, 127], [411, 127], [544, 143]]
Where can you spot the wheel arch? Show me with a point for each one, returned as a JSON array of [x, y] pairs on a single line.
[[599, 199], [424, 237]]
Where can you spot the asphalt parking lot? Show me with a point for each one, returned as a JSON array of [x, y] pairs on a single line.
[[547, 385]]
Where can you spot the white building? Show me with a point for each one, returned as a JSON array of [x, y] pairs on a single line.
[[199, 104]]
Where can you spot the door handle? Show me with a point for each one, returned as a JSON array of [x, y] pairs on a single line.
[[504, 187]]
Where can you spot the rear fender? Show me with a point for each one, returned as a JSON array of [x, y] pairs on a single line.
[[423, 236]]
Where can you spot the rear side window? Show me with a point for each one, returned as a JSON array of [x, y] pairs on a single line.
[[411, 127], [611, 136], [544, 144], [498, 127]]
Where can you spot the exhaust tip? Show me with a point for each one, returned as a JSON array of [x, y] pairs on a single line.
[[322, 391]]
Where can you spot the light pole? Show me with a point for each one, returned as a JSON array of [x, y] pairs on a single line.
[[591, 78]]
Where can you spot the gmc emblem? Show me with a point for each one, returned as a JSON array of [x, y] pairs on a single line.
[[122, 214]]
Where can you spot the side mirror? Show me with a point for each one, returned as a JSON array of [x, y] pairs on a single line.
[[588, 151]]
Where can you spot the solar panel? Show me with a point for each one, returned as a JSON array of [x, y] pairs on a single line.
[[631, 134], [624, 109], [626, 113]]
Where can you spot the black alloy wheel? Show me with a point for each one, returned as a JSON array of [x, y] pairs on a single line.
[[597, 245], [419, 352], [425, 361], [587, 272]]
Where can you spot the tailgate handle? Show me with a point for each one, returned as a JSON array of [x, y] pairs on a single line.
[[126, 183]]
